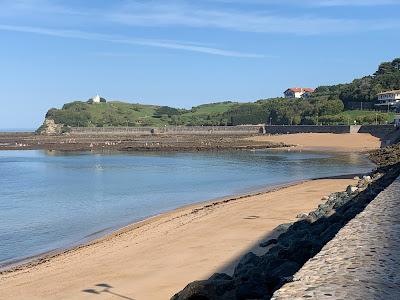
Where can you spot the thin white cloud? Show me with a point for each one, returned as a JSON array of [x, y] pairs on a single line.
[[181, 14], [76, 34], [207, 14], [23, 7], [356, 2], [310, 3]]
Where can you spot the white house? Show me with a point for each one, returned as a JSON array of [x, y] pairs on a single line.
[[96, 99], [388, 100], [298, 92]]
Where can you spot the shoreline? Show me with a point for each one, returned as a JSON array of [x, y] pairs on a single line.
[[108, 233], [48, 271]]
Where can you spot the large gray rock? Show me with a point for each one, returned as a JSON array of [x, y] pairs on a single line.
[[50, 127], [207, 290], [351, 189]]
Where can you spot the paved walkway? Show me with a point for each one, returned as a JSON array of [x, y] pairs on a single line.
[[361, 262]]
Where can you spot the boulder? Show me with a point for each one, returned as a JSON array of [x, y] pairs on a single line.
[[351, 189], [286, 268], [300, 250], [268, 243], [207, 290], [283, 227], [251, 291], [248, 261], [330, 232], [254, 283], [220, 276], [367, 178], [302, 216], [341, 201]]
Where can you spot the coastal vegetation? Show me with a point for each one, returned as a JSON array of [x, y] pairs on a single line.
[[365, 89], [329, 105]]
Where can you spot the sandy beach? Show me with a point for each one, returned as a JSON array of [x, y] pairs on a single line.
[[325, 141], [156, 258]]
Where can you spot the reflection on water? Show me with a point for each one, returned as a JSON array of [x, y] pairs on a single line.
[[54, 199]]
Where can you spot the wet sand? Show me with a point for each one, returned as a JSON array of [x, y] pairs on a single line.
[[156, 258]]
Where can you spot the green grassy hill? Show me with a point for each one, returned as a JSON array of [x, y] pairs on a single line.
[[326, 106], [103, 114], [116, 113]]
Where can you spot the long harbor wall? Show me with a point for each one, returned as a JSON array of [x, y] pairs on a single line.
[[192, 130], [389, 133], [385, 132], [291, 129]]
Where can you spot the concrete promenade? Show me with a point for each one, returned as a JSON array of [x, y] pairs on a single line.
[[361, 262]]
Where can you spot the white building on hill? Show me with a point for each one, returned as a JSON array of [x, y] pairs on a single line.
[[298, 92], [96, 99], [389, 100]]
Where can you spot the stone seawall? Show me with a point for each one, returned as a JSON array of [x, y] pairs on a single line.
[[389, 131], [372, 129], [112, 130], [389, 134], [291, 129], [173, 130]]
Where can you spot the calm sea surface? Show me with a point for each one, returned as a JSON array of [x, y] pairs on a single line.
[[53, 200]]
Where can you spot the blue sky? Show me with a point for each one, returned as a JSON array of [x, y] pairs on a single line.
[[183, 52]]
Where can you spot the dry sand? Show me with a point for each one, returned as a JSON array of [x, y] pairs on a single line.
[[156, 258], [325, 141]]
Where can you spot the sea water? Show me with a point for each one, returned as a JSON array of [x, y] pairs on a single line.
[[52, 200]]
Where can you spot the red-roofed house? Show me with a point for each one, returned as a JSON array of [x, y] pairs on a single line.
[[298, 92]]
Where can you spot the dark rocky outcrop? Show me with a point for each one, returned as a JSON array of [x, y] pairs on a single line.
[[257, 277], [49, 127]]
